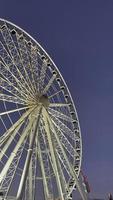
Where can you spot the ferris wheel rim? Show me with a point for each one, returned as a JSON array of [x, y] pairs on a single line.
[[59, 75], [57, 70]]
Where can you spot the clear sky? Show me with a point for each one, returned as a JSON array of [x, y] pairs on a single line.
[[78, 35]]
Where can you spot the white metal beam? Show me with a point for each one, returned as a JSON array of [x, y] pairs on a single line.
[[15, 110], [13, 154], [25, 58], [46, 191], [60, 115], [58, 105], [13, 99], [8, 133], [52, 151], [71, 169], [14, 56], [27, 162], [49, 84]]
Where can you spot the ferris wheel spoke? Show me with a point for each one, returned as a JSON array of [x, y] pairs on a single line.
[[33, 162], [12, 99], [34, 65], [43, 73], [67, 145], [70, 170], [10, 135], [8, 142], [53, 154], [62, 160], [11, 172], [34, 168], [46, 190], [56, 93], [59, 105], [29, 154], [60, 115], [15, 150], [5, 72], [12, 59], [11, 91], [70, 167], [15, 126], [9, 132], [10, 87], [15, 110], [7, 85], [14, 85], [46, 161], [29, 180], [49, 84], [25, 59], [63, 178], [3, 123], [65, 129], [9, 63]]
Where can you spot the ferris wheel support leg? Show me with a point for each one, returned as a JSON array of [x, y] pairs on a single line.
[[14, 152], [30, 176], [52, 152], [27, 163], [63, 181], [72, 172], [46, 191]]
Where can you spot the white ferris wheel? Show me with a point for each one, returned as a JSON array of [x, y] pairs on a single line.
[[40, 139]]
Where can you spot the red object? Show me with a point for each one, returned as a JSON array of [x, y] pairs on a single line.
[[86, 182]]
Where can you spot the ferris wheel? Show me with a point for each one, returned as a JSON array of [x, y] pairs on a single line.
[[40, 139]]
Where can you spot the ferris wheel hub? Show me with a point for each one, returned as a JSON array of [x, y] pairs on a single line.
[[44, 100]]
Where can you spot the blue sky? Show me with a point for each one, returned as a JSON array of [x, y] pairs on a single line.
[[78, 35]]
